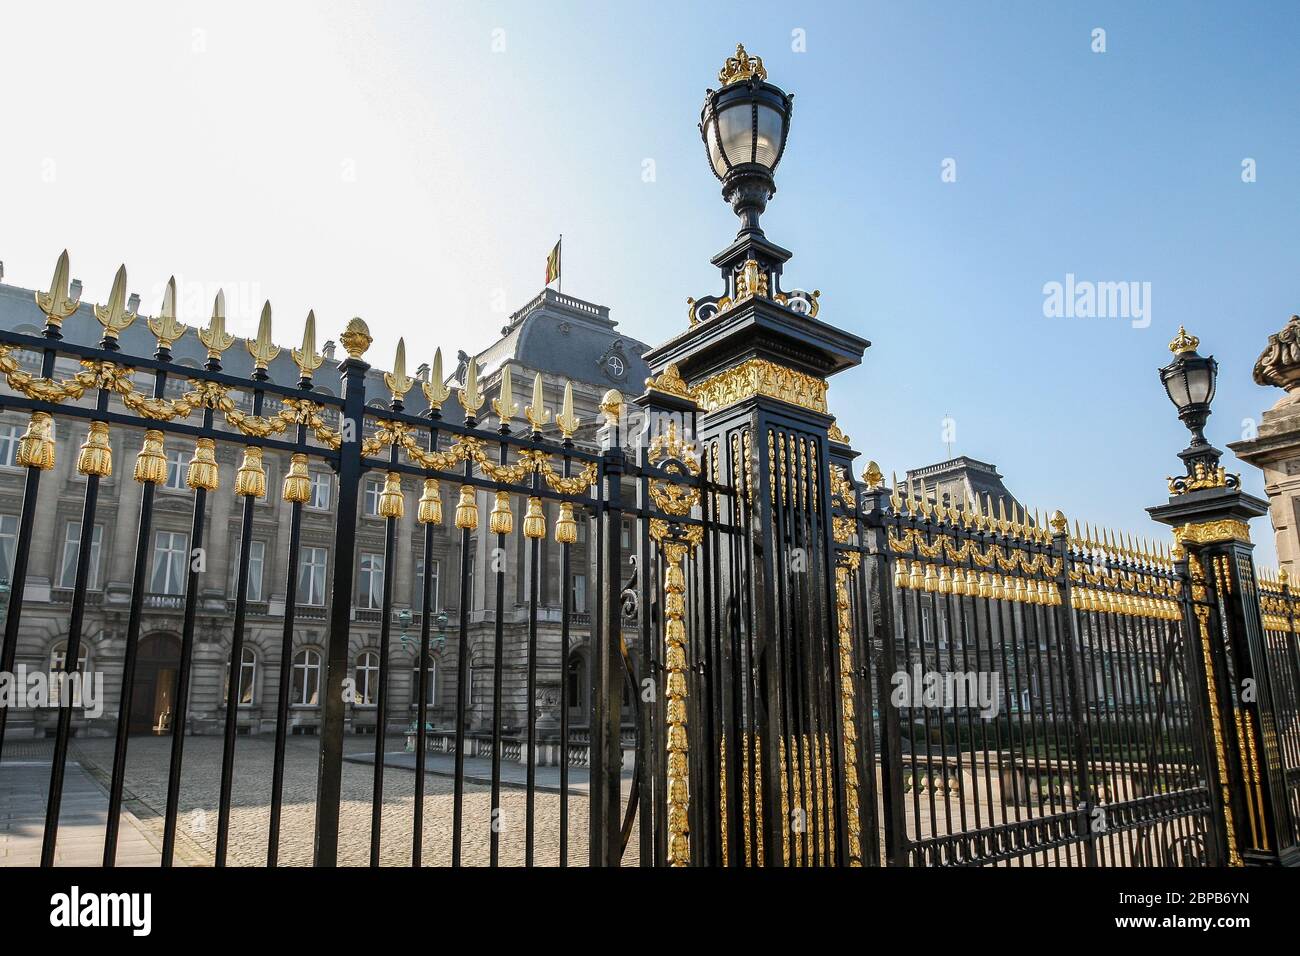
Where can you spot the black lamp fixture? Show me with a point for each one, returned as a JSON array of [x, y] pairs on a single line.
[[1190, 379], [744, 127]]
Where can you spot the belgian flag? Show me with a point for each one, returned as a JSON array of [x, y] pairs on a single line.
[[553, 263]]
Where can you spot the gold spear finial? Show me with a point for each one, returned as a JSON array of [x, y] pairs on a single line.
[[57, 304], [435, 389], [398, 382], [536, 413], [306, 358], [471, 399], [504, 404], [215, 337], [115, 316], [262, 348], [566, 420], [164, 326]]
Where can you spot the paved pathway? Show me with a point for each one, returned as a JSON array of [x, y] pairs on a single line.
[[146, 796], [24, 789]]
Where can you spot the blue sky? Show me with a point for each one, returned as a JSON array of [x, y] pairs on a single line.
[[393, 161]]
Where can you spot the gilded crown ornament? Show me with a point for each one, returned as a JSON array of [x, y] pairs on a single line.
[[536, 412], [566, 420], [306, 358], [1183, 342], [471, 399], [115, 317], [215, 337], [164, 326], [435, 389], [57, 304], [261, 348], [504, 404], [356, 338], [398, 382], [741, 67]]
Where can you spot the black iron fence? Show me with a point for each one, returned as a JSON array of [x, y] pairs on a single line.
[[794, 668]]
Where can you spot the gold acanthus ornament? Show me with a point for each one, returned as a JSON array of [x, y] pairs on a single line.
[[670, 382], [504, 404], [755, 377], [470, 397], [671, 453]]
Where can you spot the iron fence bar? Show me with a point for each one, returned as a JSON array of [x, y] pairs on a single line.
[[329, 788], [566, 608], [286, 670], [426, 614], [385, 648], [1068, 632], [534, 574], [606, 787], [462, 675], [646, 751], [182, 685], [498, 664], [235, 666], [72, 653], [135, 615]]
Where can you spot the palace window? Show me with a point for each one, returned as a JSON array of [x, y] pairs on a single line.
[[372, 580], [579, 596], [306, 678], [311, 576], [320, 491], [577, 689], [247, 678], [176, 468], [431, 687], [256, 565], [373, 487], [57, 657], [170, 552], [367, 678], [9, 436], [435, 597], [71, 551], [8, 545]]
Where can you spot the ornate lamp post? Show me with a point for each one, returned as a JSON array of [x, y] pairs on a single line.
[[1189, 381], [1210, 516], [744, 126]]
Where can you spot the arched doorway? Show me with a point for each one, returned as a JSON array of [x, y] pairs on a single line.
[[156, 666]]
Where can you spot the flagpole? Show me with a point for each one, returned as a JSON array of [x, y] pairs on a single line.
[[559, 265]]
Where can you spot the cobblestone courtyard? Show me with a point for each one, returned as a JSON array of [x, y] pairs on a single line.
[[146, 797]]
